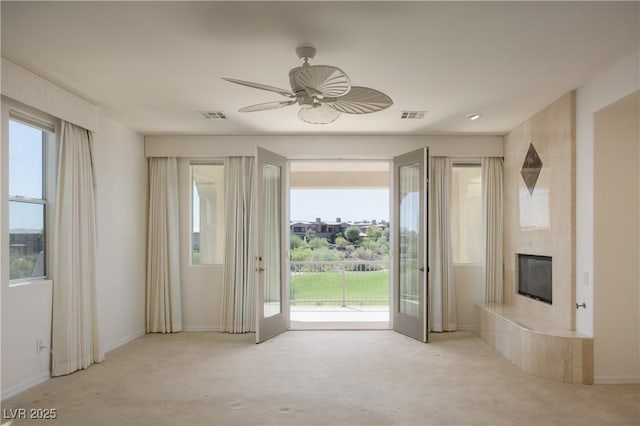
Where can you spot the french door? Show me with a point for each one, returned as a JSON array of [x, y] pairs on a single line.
[[410, 268], [272, 299], [410, 253]]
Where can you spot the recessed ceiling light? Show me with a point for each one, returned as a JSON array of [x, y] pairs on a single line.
[[474, 116]]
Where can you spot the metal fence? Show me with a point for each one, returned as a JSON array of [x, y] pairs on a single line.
[[340, 283]]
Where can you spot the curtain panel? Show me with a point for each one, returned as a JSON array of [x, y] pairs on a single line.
[[492, 207], [442, 296], [164, 311], [238, 300], [75, 339]]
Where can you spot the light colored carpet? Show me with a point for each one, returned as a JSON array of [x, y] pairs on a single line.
[[319, 377]]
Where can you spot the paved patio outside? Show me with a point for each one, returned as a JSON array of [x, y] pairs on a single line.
[[338, 317]]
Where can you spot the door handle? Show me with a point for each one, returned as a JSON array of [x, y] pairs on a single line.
[[421, 269], [260, 269]]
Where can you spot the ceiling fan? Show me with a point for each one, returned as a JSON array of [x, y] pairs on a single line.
[[322, 91]]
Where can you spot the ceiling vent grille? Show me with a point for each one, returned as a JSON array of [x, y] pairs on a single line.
[[412, 115], [213, 115]]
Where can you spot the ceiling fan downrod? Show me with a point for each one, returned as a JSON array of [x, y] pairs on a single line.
[[305, 53]]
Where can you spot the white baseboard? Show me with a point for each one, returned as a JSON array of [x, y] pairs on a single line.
[[616, 380], [21, 387], [200, 328], [123, 341]]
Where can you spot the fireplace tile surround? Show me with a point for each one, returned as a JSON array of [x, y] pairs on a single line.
[[542, 222], [537, 346]]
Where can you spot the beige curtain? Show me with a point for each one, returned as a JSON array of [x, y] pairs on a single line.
[[238, 302], [75, 340], [492, 205], [164, 311], [442, 296]]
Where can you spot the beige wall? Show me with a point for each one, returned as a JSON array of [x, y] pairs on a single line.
[[468, 287], [543, 223], [616, 278], [121, 202], [313, 147], [612, 84]]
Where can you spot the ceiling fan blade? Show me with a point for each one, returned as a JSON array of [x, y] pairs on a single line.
[[321, 80], [283, 92], [321, 114], [267, 106], [360, 100]]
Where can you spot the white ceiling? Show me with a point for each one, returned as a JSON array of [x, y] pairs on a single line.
[[154, 65]]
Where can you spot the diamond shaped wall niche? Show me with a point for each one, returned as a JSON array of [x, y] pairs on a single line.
[[531, 168]]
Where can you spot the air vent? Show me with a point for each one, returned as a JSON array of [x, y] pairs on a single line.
[[413, 115], [213, 115]]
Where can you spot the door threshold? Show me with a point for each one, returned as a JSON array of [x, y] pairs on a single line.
[[339, 325]]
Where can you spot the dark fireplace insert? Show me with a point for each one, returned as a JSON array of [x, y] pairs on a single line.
[[534, 277]]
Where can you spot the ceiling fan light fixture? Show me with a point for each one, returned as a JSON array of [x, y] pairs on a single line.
[[318, 114]]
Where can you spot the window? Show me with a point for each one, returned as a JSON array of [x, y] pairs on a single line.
[[466, 205], [207, 242], [28, 207]]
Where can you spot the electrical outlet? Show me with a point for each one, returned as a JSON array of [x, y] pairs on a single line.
[[38, 345]]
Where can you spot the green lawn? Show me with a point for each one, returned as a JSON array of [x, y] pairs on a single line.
[[325, 288]]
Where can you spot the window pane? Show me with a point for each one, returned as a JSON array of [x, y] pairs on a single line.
[[26, 240], [467, 214], [25, 160], [208, 214], [271, 224], [409, 232]]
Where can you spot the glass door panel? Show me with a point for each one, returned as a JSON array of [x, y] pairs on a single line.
[[409, 244], [271, 231], [271, 300], [409, 223]]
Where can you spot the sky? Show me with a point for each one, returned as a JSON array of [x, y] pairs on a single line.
[[25, 175], [347, 204], [328, 204]]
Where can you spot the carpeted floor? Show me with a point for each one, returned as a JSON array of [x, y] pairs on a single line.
[[319, 378]]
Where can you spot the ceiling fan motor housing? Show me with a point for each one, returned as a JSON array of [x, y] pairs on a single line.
[[306, 52]]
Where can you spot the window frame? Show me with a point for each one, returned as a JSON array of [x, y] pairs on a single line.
[[49, 126], [201, 162]]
